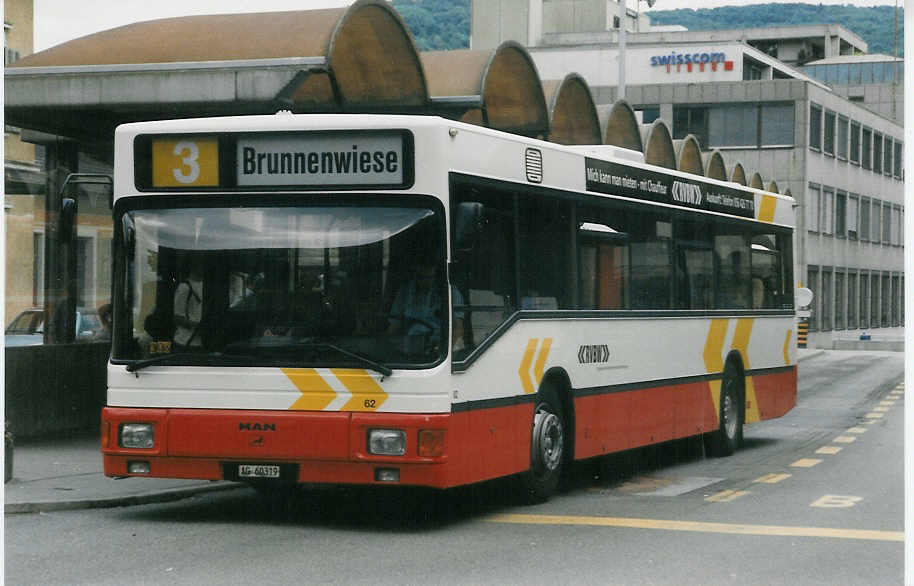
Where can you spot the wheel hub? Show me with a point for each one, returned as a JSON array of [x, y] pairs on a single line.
[[547, 441]]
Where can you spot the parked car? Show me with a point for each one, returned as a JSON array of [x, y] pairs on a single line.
[[28, 327]]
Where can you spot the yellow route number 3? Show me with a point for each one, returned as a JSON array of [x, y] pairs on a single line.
[[189, 162]]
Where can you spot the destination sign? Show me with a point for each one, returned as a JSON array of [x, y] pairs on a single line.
[[320, 159], [625, 181], [308, 160]]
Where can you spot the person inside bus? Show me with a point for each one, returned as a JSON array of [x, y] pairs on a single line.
[[188, 307], [417, 310]]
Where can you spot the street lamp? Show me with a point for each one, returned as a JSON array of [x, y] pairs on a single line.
[[622, 15]]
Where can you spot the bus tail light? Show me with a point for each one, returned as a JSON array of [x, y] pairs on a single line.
[[431, 443], [106, 431]]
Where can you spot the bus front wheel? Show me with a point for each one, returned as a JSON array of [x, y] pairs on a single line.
[[726, 439], [547, 448]]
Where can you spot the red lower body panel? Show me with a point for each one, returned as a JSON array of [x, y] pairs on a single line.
[[479, 444]]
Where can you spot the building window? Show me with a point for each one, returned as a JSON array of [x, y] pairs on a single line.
[[828, 302], [841, 214], [855, 142], [877, 152], [874, 299], [38, 269], [896, 226], [839, 300], [827, 222], [886, 303], [828, 144], [691, 120], [815, 127], [842, 137], [851, 300], [812, 283], [734, 125], [866, 147], [777, 124], [886, 224], [887, 156], [853, 215], [864, 299], [898, 160], [812, 208], [864, 219], [647, 114], [876, 216]]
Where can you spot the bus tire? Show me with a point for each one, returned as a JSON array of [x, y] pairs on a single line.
[[547, 448], [726, 439]]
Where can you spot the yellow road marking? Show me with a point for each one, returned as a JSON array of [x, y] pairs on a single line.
[[873, 415], [844, 439], [806, 462], [887, 403], [881, 409], [697, 526], [725, 496], [772, 478], [836, 501], [857, 430], [828, 450]]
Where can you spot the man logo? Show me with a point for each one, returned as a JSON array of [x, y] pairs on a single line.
[[247, 426], [686, 193]]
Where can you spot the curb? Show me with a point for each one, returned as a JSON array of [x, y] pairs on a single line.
[[162, 496], [809, 355]]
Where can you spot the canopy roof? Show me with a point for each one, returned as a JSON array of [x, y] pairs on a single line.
[[572, 113]]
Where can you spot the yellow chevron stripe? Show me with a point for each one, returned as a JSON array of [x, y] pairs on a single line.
[[524, 370], [316, 394], [367, 394], [766, 210], [741, 344], [714, 345], [787, 346], [541, 360]]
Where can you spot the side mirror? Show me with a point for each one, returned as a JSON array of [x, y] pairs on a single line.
[[105, 181], [468, 224], [67, 218]]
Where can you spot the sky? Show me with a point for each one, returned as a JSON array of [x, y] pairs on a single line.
[[57, 21]]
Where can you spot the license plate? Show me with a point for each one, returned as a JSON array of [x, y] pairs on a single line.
[[257, 471]]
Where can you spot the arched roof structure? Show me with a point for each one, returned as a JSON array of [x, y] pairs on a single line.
[[738, 174], [756, 181], [499, 89], [773, 186], [356, 59], [622, 128], [716, 167], [572, 113], [688, 155], [658, 145]]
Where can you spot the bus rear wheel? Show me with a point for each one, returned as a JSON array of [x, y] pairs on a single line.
[[547, 449], [726, 439]]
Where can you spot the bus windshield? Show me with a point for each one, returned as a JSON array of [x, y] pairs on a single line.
[[356, 285]]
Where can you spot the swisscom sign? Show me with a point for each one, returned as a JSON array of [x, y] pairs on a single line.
[[615, 179]]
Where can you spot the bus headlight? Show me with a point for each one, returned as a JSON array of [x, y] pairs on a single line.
[[387, 442], [137, 435]]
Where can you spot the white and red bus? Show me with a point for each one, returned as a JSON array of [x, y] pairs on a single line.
[[410, 300]]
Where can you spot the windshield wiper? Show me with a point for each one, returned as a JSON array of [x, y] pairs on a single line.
[[375, 366], [207, 360]]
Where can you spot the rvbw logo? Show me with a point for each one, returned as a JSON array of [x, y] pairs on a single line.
[[686, 193]]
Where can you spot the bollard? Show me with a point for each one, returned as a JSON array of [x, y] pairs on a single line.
[[802, 331]]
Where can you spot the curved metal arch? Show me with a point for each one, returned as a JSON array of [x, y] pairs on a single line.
[[756, 181], [573, 115], [688, 155], [716, 168], [738, 174], [773, 186], [622, 128], [658, 145]]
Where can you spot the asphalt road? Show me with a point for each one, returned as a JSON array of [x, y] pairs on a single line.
[[815, 497]]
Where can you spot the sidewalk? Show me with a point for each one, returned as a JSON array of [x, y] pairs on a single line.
[[65, 474]]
